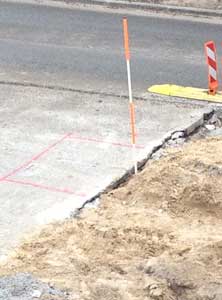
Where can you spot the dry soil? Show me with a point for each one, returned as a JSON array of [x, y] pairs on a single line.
[[156, 237]]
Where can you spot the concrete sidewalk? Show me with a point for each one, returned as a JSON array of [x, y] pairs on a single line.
[[59, 149]]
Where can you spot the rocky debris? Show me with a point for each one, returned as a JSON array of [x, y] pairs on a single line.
[[214, 124], [177, 135], [210, 127], [216, 120], [176, 142], [178, 138], [24, 286]]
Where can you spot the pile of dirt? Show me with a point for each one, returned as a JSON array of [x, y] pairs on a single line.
[[156, 237]]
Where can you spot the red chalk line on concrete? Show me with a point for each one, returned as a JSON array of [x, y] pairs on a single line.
[[45, 151], [44, 187], [35, 158], [95, 140], [36, 185]]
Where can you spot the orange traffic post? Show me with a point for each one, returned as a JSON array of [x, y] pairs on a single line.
[[131, 104], [211, 58]]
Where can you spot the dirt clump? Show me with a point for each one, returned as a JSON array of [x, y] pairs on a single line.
[[158, 236]]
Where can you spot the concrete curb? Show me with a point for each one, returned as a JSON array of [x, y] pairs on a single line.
[[150, 7]]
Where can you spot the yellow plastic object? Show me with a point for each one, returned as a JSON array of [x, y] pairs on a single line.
[[185, 92]]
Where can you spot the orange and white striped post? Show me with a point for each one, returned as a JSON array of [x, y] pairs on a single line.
[[131, 104], [210, 52]]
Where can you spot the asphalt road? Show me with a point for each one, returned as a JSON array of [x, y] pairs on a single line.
[[84, 49]]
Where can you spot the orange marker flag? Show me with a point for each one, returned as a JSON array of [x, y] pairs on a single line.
[[132, 109]]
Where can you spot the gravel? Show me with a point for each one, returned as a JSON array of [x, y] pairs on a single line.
[[24, 286]]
